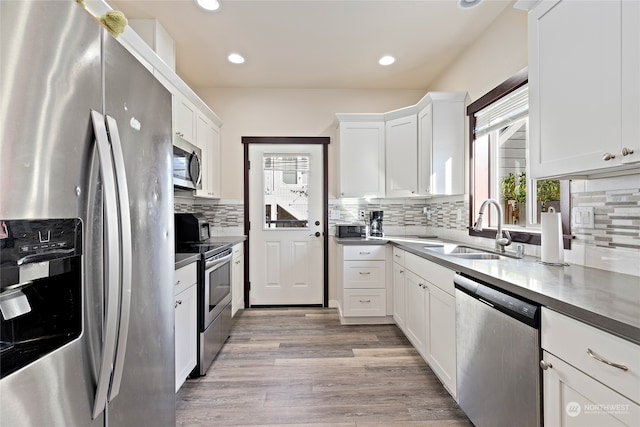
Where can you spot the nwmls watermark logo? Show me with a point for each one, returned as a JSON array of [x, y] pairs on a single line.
[[573, 409]]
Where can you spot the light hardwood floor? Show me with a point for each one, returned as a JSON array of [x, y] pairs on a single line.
[[284, 367]]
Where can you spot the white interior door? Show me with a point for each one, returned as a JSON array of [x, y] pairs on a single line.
[[285, 212]]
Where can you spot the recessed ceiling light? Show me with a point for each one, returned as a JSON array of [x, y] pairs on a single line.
[[467, 4], [235, 58], [387, 60], [208, 4]]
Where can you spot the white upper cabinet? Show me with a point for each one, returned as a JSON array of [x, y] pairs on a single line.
[[361, 156], [184, 118], [414, 151], [584, 91], [208, 140], [441, 144], [401, 173]]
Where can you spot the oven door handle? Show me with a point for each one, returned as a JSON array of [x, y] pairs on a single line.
[[208, 265]]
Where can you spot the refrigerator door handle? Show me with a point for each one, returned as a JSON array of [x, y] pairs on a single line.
[[112, 270], [126, 255]]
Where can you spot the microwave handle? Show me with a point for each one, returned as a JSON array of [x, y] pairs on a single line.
[[112, 271], [197, 159]]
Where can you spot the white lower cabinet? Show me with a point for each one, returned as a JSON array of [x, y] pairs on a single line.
[[416, 311], [186, 322], [441, 330], [362, 283], [425, 310], [579, 387], [237, 279]]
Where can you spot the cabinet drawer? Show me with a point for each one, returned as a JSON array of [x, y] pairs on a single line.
[[571, 340], [364, 302], [364, 274], [364, 253], [185, 277], [398, 256], [438, 275]]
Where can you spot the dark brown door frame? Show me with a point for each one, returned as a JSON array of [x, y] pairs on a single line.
[[302, 140]]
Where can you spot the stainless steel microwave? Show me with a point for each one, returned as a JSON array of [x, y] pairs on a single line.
[[187, 165]]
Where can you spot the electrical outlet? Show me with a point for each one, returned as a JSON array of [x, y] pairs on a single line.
[[362, 215]]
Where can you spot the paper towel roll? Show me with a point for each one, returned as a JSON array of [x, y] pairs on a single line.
[[551, 238]]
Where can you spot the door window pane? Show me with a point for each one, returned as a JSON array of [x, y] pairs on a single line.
[[285, 191]]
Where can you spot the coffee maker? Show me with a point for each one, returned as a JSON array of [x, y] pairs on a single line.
[[375, 223]]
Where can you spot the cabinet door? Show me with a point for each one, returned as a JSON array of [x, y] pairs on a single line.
[[416, 316], [441, 342], [425, 142], [574, 399], [630, 150], [399, 280], [361, 159], [184, 118], [574, 84], [402, 157], [448, 146], [237, 279], [186, 333]]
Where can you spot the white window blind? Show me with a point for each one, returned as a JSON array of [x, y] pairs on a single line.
[[503, 112]]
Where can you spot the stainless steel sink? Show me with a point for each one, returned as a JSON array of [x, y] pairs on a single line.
[[465, 252], [476, 255]]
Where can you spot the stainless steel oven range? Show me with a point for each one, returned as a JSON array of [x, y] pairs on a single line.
[[214, 286]]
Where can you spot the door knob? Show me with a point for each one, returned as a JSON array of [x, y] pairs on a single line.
[[317, 234], [318, 222], [545, 365]]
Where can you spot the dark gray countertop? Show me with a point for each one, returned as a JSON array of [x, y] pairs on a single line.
[[185, 259], [607, 300], [360, 241]]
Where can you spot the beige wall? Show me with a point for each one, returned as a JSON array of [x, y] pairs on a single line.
[[499, 53], [289, 112]]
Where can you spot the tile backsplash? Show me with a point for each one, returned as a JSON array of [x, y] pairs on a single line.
[[614, 243]]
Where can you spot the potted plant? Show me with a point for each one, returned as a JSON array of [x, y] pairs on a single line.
[[548, 194], [514, 194]]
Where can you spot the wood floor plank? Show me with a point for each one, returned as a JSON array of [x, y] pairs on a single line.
[[300, 367]]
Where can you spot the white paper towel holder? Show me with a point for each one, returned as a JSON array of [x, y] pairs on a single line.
[[555, 264]]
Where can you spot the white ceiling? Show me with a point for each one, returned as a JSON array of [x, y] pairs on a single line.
[[324, 44]]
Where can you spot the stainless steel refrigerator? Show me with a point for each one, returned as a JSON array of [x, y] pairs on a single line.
[[86, 134]]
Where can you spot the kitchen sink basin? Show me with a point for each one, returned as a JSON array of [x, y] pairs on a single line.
[[477, 255], [465, 252]]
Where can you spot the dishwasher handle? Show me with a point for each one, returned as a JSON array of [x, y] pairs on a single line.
[[517, 308]]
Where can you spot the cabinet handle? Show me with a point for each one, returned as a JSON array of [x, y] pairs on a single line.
[[365, 253], [365, 300], [608, 156], [626, 151], [544, 365], [397, 256], [364, 272], [401, 271], [603, 360], [179, 302], [178, 282]]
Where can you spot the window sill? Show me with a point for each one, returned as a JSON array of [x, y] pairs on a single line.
[[528, 237]]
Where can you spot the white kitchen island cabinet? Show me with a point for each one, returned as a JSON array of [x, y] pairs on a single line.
[[584, 91], [579, 387], [361, 155], [186, 322]]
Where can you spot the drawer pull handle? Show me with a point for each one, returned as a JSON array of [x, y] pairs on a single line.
[[603, 360], [397, 256], [364, 272], [365, 253], [365, 300]]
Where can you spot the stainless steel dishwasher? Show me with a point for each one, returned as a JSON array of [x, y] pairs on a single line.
[[498, 350]]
